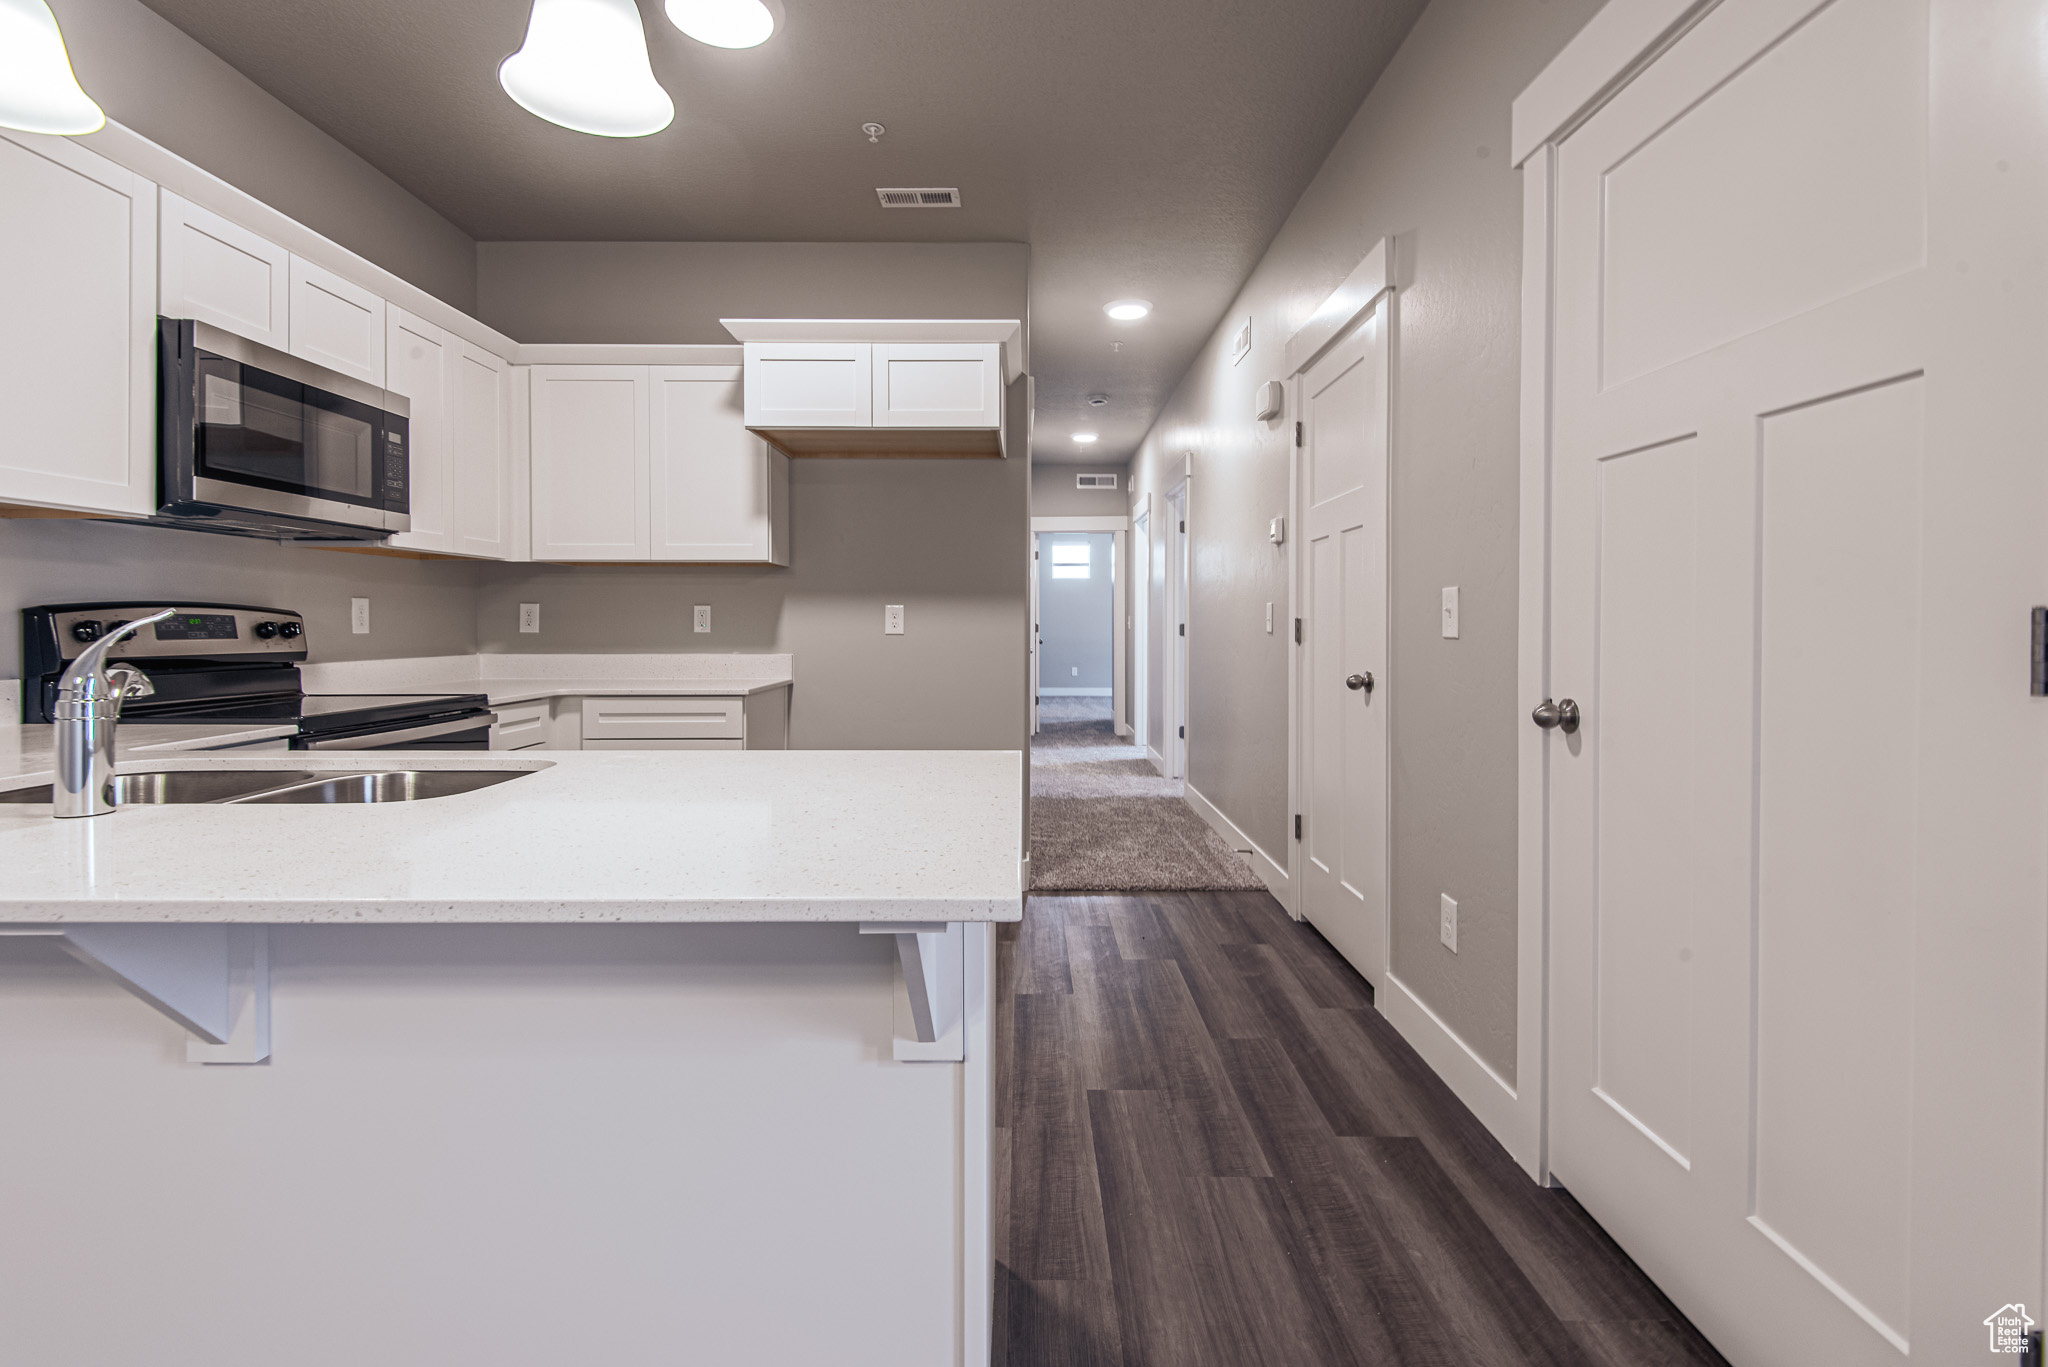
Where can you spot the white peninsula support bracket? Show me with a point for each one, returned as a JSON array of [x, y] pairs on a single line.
[[931, 995], [212, 980]]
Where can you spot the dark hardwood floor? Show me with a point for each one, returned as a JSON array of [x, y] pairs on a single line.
[[1211, 1150]]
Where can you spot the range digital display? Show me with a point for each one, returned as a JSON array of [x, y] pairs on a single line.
[[197, 626]]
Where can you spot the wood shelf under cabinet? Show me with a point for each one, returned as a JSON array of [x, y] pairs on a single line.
[[875, 443]]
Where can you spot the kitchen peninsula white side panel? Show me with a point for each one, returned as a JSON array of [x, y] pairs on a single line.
[[77, 357]]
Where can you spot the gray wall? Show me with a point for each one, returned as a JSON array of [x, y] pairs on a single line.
[[945, 538], [150, 77], [416, 607], [1424, 162], [675, 292], [1053, 493], [1074, 626]]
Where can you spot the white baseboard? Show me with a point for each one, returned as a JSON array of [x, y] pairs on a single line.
[[1124, 729], [1270, 873], [1074, 693], [1158, 761], [1486, 1093]]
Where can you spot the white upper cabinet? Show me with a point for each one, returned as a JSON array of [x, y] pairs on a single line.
[[221, 273], [78, 353], [809, 384], [486, 475], [718, 492], [590, 475], [336, 323], [420, 363], [938, 384]]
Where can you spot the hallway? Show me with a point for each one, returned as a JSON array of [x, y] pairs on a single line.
[[1210, 1149]]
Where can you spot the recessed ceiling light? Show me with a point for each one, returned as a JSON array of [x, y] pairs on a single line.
[[1084, 437], [38, 92], [1128, 310], [1098, 400], [584, 66], [723, 23]]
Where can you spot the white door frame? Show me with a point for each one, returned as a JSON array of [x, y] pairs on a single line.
[[1371, 278], [1138, 617], [1119, 562], [1174, 653]]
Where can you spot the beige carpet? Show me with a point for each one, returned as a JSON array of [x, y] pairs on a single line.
[[1103, 820]]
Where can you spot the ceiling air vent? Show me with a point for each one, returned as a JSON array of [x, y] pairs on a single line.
[[1095, 481], [919, 199]]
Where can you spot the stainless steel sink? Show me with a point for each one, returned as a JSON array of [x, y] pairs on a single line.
[[391, 785], [233, 787], [179, 785]]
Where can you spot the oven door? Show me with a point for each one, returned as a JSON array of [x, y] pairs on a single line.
[[250, 429], [471, 732]]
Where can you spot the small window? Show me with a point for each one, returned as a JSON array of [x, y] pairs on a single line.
[[1070, 560]]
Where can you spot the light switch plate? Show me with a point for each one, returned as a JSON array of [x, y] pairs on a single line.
[[1276, 531], [1269, 619], [892, 620], [702, 621], [529, 617], [359, 616], [1450, 613], [1447, 927]]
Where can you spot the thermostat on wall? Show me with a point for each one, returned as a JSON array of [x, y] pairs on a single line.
[[1272, 398]]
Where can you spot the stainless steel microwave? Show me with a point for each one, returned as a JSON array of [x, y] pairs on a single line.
[[259, 443]]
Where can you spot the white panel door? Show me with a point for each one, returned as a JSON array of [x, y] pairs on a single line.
[[1798, 836], [336, 323], [221, 273], [718, 492], [1343, 665], [78, 352], [938, 384], [481, 451], [809, 384], [421, 364], [590, 462]]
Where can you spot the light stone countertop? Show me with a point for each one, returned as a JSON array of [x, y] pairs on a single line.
[[645, 836], [30, 750]]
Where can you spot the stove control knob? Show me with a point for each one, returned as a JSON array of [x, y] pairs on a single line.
[[264, 630], [85, 631], [291, 631]]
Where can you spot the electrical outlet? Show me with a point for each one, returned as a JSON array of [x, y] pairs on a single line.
[[529, 617], [359, 616], [1075, 670], [1447, 923], [1451, 613], [703, 618], [1269, 619], [892, 620]]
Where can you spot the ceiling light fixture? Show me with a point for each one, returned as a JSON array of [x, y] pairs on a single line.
[[584, 66], [38, 92], [1127, 310], [723, 23], [1085, 438], [1098, 400]]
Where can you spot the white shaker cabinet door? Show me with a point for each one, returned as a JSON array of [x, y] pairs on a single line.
[[809, 384], [221, 273], [589, 439], [481, 452], [336, 323], [78, 354], [938, 384], [719, 493], [421, 363]]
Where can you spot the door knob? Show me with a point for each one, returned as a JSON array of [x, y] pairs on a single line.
[[1562, 715], [1358, 681]]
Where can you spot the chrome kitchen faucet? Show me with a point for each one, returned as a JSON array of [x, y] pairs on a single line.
[[88, 707]]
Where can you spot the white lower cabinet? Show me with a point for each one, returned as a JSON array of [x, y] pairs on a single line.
[[757, 721], [652, 463], [78, 353], [463, 473]]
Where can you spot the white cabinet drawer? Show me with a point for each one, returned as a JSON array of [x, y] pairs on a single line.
[[664, 745], [938, 384], [809, 384], [521, 725], [638, 719]]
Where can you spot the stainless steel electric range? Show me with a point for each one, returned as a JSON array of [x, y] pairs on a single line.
[[232, 664]]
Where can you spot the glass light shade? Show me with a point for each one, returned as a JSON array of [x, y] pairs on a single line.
[[584, 66], [1127, 310], [1084, 437], [38, 93], [723, 23]]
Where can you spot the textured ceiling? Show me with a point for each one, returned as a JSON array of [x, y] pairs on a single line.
[[1142, 147]]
